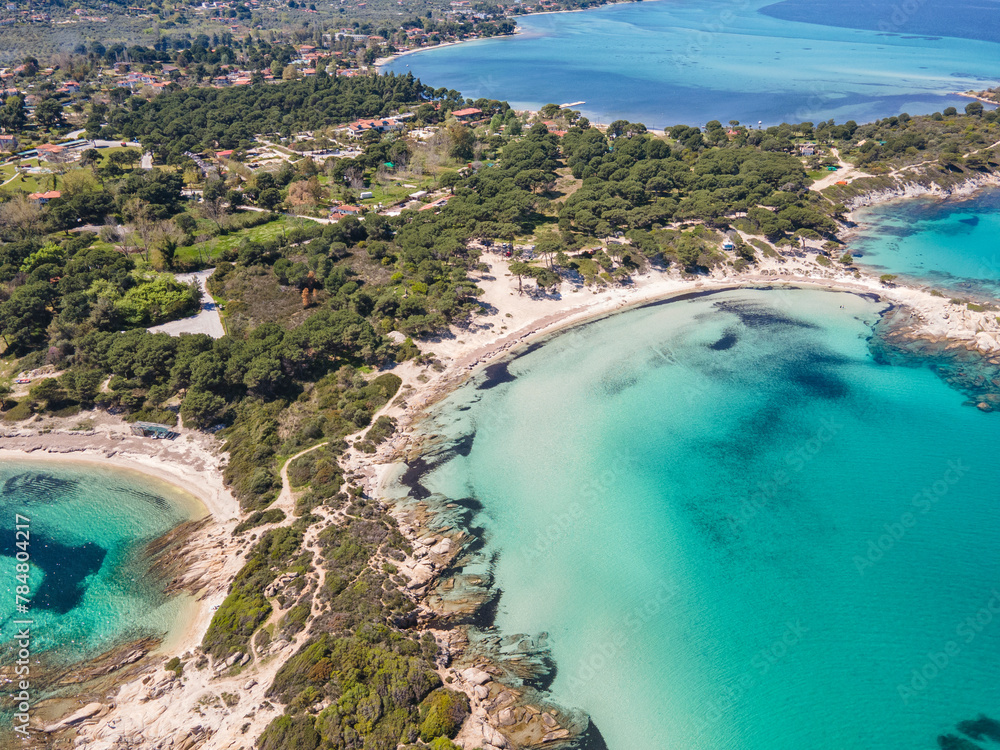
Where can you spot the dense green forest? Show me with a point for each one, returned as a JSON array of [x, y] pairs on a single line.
[[199, 118]]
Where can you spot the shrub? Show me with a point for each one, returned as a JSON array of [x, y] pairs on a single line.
[[246, 608], [289, 733], [259, 518], [21, 410], [443, 712]]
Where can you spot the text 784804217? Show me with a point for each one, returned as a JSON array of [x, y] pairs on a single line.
[[22, 641]]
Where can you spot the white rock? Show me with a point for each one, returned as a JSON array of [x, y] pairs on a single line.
[[84, 713], [493, 737], [476, 676], [443, 547]]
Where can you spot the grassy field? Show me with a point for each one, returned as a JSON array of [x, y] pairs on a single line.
[[34, 183], [28, 183], [210, 250], [393, 192]]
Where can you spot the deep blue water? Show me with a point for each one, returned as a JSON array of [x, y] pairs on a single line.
[[966, 20], [669, 62], [90, 585]]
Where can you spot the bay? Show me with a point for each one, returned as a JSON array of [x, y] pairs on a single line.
[[952, 245], [669, 62], [737, 528], [90, 586]]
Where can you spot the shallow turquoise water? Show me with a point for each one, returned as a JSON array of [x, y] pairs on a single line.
[[669, 62], [738, 530], [90, 584], [953, 245]]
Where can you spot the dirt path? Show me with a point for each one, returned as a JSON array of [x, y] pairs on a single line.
[[846, 172], [286, 500]]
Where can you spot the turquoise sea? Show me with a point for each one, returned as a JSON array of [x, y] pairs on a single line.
[[90, 583], [672, 61], [953, 245], [738, 528]]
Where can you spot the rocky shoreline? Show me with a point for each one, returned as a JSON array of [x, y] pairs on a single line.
[[904, 189]]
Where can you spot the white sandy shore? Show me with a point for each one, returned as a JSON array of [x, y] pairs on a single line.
[[196, 499]]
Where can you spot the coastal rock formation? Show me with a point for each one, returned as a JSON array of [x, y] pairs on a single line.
[[909, 185], [87, 712]]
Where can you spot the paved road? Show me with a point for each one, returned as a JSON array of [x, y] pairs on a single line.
[[206, 321]]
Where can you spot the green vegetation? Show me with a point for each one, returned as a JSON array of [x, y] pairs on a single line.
[[199, 118], [260, 518], [376, 681], [174, 665], [378, 434], [442, 713], [246, 608]]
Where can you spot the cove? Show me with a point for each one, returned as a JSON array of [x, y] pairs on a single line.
[[676, 61], [91, 587], [953, 245], [737, 528]]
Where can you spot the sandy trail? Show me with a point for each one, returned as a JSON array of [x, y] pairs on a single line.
[[847, 172]]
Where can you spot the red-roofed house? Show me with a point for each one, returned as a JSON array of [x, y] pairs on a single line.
[[343, 210], [466, 114], [44, 198], [50, 151], [360, 127]]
